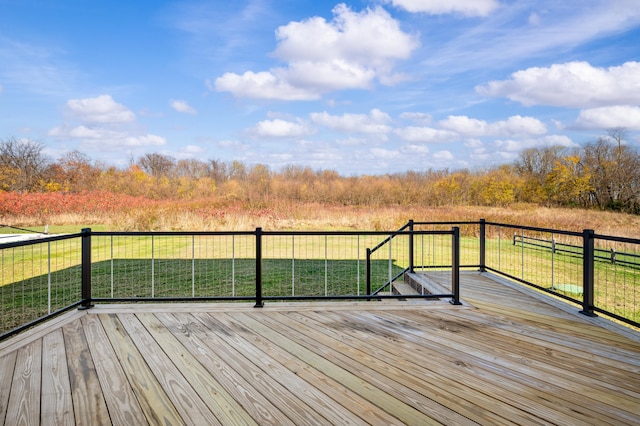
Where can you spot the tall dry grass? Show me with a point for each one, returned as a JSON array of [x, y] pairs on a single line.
[[119, 212], [315, 216]]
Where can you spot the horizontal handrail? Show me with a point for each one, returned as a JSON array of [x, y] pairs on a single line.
[[33, 241], [535, 229]]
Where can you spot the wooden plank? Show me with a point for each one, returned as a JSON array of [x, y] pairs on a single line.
[[319, 402], [410, 367], [221, 403], [7, 366], [88, 404], [185, 400], [269, 306], [24, 402], [564, 367], [118, 395], [577, 325], [394, 406], [57, 406], [340, 395], [588, 347], [407, 367], [194, 336], [513, 374], [298, 411], [37, 332], [154, 401]]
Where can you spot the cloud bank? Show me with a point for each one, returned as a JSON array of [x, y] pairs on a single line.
[[352, 51]]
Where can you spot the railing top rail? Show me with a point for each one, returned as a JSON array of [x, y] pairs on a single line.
[[617, 239], [535, 229], [474, 222], [39, 240], [396, 233], [263, 232], [167, 233]]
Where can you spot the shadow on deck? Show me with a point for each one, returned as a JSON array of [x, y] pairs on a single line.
[[506, 356]]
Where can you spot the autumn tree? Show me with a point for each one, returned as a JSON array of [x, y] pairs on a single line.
[[22, 165], [496, 187], [533, 166], [568, 183]]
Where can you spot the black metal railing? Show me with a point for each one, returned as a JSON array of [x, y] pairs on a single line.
[[44, 277], [258, 266]]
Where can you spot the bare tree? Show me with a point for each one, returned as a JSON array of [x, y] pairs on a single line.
[[219, 171], [192, 168], [615, 172], [156, 165], [23, 162], [79, 174]]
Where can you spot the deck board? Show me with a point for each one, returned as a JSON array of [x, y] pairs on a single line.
[[153, 399], [505, 357], [57, 407], [24, 401]]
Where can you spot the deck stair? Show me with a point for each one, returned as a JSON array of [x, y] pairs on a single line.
[[421, 283], [403, 288]]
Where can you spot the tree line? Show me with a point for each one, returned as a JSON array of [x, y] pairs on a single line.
[[604, 174]]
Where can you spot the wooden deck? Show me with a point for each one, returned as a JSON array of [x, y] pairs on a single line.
[[504, 357]]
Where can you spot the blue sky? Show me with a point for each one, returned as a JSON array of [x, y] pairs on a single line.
[[364, 87]]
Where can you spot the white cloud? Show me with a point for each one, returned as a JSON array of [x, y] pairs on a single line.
[[351, 141], [417, 117], [513, 126], [106, 138], [144, 140], [279, 128], [572, 85], [425, 134], [443, 156], [193, 149], [373, 123], [385, 153], [261, 85], [609, 117], [438, 7], [534, 19], [183, 106], [103, 123], [511, 145], [101, 109], [349, 52], [459, 126], [473, 143], [517, 126], [414, 149], [370, 37]]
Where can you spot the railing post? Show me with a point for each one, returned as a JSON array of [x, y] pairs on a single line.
[[86, 269], [483, 235], [368, 273], [411, 265], [587, 272], [259, 303], [455, 266]]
